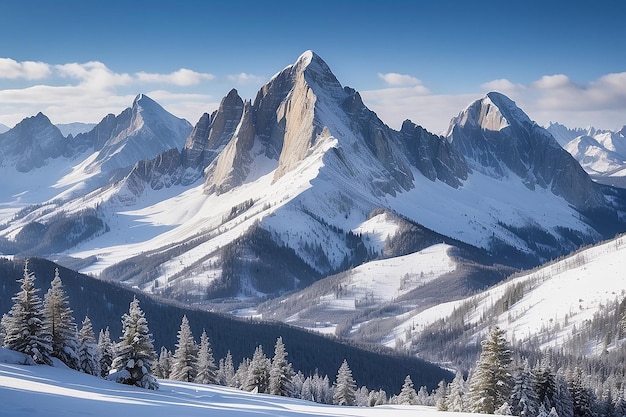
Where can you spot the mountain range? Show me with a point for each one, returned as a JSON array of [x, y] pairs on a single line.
[[602, 153], [305, 188]]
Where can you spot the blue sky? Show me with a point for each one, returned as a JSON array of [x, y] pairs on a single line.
[[423, 60]]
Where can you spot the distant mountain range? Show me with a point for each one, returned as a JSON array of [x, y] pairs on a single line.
[[602, 153], [302, 188]]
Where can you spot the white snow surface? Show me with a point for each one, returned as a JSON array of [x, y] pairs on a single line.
[[58, 391], [560, 296]]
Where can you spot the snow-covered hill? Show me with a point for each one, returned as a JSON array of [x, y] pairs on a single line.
[[550, 306]]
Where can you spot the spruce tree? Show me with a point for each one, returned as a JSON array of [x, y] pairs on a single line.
[[457, 393], [345, 386], [582, 397], [3, 331], [241, 375], [207, 371], [88, 359], [105, 352], [408, 395], [163, 366], [24, 326], [524, 400], [281, 371], [258, 377], [563, 399], [490, 385], [226, 370], [441, 396], [134, 353], [185, 361], [60, 324]]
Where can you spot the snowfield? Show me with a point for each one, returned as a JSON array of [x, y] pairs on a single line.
[[57, 391]]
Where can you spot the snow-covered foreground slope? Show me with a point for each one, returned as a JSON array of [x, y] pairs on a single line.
[[549, 303], [49, 391]]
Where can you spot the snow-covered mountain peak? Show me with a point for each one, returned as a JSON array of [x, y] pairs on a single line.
[[493, 112], [30, 143], [140, 132]]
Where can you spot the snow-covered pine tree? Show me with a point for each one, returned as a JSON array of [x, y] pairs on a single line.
[[88, 359], [322, 389], [241, 374], [302, 387], [524, 400], [134, 353], [258, 377], [563, 402], [163, 366], [490, 384], [423, 397], [3, 331], [24, 325], [582, 397], [185, 361], [281, 371], [407, 395], [226, 371], [362, 397], [345, 386], [456, 394], [207, 371], [545, 381], [105, 352], [60, 324], [441, 396], [377, 398]]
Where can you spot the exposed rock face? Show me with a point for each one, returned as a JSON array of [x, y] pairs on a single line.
[[232, 166], [433, 155], [497, 138], [30, 143], [163, 171], [193, 153]]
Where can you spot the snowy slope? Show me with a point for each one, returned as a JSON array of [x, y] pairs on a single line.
[[374, 285], [49, 391], [551, 302]]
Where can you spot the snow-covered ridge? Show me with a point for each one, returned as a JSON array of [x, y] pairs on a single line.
[[552, 300]]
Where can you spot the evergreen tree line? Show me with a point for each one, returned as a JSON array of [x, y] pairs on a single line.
[[45, 330], [504, 383]]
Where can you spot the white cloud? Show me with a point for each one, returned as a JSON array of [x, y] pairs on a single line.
[[600, 103], [29, 70], [183, 77], [431, 111], [501, 85], [556, 81], [93, 74], [246, 79], [397, 80]]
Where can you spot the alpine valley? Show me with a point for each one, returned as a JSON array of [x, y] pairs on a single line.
[[302, 206]]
